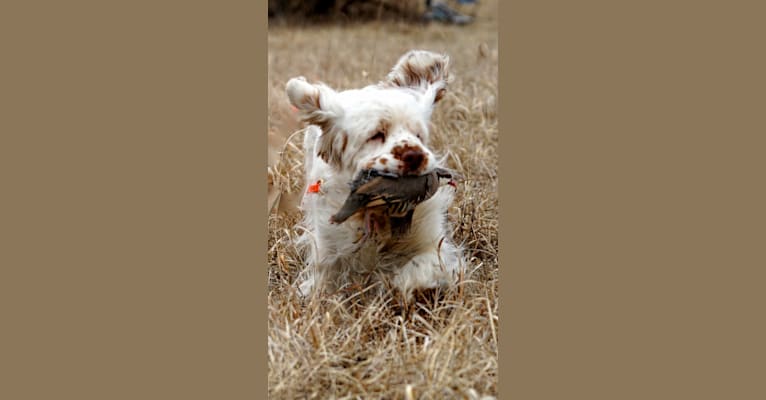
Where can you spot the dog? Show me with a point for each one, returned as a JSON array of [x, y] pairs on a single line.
[[382, 128]]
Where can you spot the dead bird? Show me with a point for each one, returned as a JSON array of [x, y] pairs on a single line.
[[372, 190]]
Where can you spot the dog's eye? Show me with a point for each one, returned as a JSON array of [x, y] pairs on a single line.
[[378, 136]]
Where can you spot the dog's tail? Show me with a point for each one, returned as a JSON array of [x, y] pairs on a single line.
[[309, 146]]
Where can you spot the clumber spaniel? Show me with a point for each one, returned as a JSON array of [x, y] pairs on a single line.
[[381, 129]]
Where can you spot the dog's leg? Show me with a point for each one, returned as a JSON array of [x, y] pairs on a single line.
[[424, 271]]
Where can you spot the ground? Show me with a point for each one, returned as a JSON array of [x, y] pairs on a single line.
[[443, 347]]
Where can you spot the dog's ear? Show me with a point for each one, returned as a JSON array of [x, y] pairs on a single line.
[[316, 105], [422, 70]]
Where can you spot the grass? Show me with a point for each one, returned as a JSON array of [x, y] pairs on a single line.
[[442, 347]]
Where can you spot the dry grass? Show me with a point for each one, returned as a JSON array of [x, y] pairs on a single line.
[[440, 348]]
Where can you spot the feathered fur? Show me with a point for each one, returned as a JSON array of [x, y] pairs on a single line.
[[381, 127]]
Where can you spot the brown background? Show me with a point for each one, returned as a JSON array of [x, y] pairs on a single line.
[[133, 243]]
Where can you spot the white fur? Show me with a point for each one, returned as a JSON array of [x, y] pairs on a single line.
[[424, 257]]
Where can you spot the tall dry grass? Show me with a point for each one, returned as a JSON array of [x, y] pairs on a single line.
[[442, 347]]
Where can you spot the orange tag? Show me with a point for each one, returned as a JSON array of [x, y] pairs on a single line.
[[314, 187]]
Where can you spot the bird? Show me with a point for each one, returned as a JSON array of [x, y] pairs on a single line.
[[373, 190]]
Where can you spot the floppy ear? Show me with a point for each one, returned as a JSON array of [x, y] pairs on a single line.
[[424, 70], [316, 105]]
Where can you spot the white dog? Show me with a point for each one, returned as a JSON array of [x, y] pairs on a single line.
[[385, 128]]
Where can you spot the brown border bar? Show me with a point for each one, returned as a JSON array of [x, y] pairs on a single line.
[[633, 200], [133, 234]]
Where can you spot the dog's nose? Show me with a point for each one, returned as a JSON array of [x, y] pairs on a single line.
[[413, 160]]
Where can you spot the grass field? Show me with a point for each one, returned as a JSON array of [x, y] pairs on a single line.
[[441, 349]]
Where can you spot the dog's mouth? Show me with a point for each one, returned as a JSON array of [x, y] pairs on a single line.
[[392, 184], [380, 195], [396, 195], [367, 175]]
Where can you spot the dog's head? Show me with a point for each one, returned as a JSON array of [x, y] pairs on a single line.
[[382, 127]]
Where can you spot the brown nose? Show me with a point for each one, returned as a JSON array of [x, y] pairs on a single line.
[[413, 160]]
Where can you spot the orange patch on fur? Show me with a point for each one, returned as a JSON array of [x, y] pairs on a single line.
[[315, 187]]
